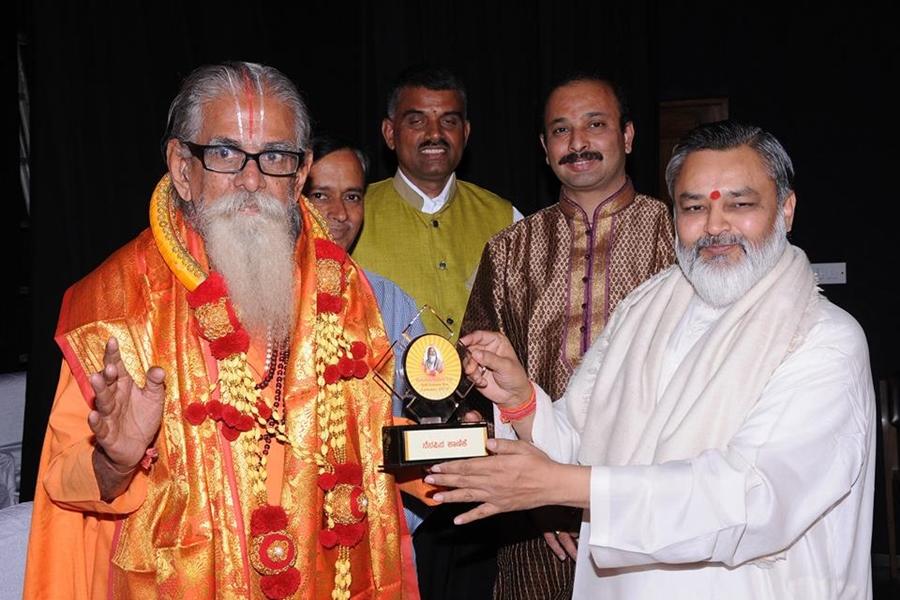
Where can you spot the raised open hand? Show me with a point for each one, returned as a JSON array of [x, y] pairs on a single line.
[[125, 418]]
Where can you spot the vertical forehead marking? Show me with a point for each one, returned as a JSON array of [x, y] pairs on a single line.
[[261, 101], [237, 107], [249, 98], [715, 195]]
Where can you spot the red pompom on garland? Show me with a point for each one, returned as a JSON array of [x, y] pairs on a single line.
[[350, 535], [328, 303], [195, 413], [282, 585], [358, 350], [229, 432], [245, 423], [230, 415], [348, 473], [327, 481], [235, 342], [332, 374], [214, 410], [345, 366], [210, 290], [328, 538], [360, 369], [267, 518]]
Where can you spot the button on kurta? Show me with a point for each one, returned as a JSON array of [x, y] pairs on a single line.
[[442, 265]]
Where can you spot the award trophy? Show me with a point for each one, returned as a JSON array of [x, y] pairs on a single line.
[[432, 388]]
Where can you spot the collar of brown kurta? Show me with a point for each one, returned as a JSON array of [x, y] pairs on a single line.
[[617, 201]]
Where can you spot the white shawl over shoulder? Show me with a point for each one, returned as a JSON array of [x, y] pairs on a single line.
[[613, 398]]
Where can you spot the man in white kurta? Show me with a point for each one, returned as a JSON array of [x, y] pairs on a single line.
[[783, 512], [721, 428]]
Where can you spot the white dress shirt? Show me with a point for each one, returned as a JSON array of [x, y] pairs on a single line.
[[432, 205], [784, 511]]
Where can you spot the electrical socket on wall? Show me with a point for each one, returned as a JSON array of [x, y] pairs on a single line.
[[830, 273]]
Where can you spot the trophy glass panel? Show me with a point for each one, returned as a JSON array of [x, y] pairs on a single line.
[[429, 382]]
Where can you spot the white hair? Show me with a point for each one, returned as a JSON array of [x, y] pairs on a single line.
[[250, 240], [717, 281]]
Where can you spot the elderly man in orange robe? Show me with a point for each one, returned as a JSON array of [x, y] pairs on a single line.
[[215, 432]]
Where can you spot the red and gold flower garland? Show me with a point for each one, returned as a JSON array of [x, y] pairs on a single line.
[[245, 417], [337, 360], [240, 409]]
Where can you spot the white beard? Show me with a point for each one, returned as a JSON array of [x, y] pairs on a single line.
[[720, 283], [254, 252]]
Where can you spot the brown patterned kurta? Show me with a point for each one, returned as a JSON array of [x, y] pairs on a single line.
[[550, 283]]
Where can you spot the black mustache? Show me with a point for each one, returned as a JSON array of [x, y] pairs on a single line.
[[441, 143], [576, 156]]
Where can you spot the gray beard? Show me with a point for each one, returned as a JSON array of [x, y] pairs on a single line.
[[720, 283], [255, 255]]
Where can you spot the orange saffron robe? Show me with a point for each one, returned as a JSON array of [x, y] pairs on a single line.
[[180, 530]]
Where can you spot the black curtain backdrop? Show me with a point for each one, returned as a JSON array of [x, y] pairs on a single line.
[[101, 76]]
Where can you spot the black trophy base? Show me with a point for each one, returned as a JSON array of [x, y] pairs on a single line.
[[411, 445]]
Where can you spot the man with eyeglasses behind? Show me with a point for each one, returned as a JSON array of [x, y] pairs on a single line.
[[215, 428]]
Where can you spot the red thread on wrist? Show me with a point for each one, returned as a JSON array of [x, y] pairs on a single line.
[[521, 411]]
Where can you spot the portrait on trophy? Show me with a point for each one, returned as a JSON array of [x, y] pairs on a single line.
[[432, 363], [432, 389]]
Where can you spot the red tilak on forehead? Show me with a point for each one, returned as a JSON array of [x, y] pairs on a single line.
[[249, 93], [715, 194]]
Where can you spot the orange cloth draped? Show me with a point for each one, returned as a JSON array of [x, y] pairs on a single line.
[[181, 529]]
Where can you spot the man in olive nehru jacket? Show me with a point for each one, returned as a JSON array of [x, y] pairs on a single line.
[[425, 229]]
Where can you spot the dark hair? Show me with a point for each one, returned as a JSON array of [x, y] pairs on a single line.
[[726, 135], [210, 81], [578, 77], [323, 145], [429, 77]]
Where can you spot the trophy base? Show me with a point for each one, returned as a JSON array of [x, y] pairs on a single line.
[[411, 445]]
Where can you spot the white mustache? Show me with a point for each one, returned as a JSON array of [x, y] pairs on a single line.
[[232, 204]]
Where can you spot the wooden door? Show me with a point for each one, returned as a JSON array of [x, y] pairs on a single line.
[[676, 118]]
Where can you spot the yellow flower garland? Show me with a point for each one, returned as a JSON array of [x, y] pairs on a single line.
[[237, 387]]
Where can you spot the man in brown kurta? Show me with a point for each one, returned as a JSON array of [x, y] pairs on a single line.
[[551, 281]]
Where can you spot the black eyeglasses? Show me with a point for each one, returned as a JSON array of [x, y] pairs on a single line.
[[221, 158]]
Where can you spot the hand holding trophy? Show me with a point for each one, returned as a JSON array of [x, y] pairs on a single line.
[[432, 389]]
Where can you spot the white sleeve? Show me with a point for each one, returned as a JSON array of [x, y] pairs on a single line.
[[798, 454], [551, 431]]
